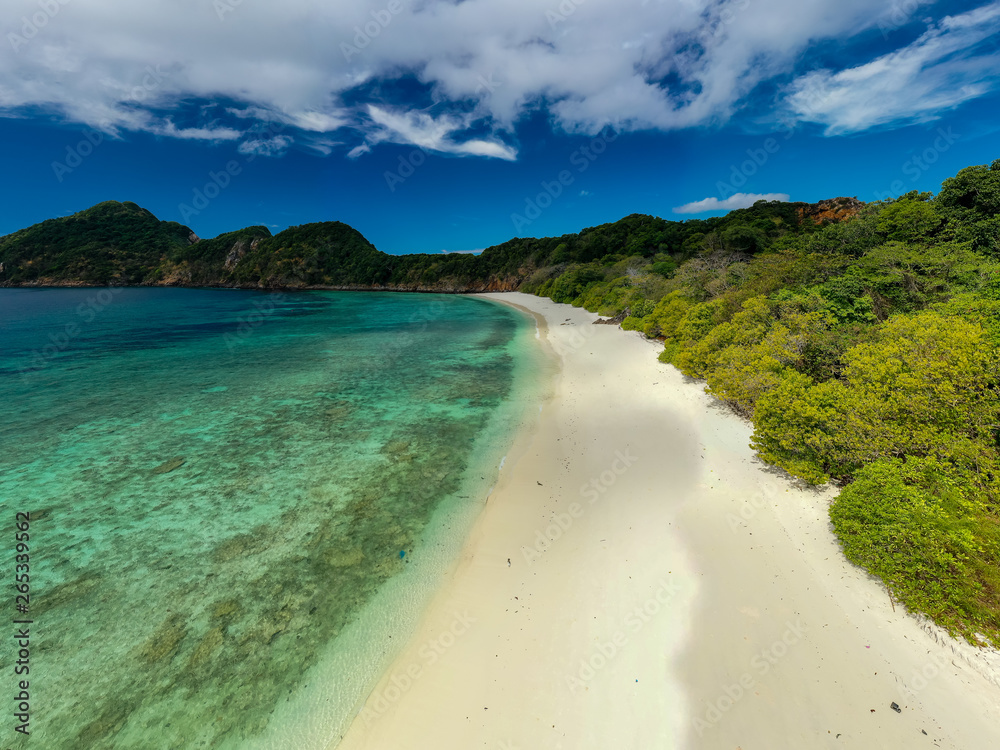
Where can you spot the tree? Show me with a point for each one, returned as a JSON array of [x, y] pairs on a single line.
[[909, 221], [797, 426], [924, 527], [973, 189]]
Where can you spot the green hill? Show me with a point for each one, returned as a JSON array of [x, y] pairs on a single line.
[[110, 243], [123, 244]]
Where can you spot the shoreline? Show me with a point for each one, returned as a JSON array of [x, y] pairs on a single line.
[[664, 589]]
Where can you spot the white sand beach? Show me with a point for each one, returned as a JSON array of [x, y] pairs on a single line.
[[638, 580]]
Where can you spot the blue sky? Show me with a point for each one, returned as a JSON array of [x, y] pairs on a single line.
[[453, 125]]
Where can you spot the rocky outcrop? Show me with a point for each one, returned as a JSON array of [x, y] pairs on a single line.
[[833, 210], [239, 250], [615, 321], [236, 254]]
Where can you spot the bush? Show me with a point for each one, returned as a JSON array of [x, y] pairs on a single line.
[[922, 526]]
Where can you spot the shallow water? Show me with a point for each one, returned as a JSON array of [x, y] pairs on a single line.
[[221, 482]]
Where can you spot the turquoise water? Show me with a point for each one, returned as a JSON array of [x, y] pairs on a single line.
[[221, 483]]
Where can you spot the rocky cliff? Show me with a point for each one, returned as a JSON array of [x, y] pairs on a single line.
[[835, 209]]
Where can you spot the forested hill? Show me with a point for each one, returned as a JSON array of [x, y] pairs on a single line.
[[123, 244]]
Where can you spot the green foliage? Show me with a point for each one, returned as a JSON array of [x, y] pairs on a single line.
[[795, 426], [110, 243], [322, 254], [925, 387], [574, 283], [666, 315], [665, 268], [974, 190], [909, 221], [971, 202], [930, 531]]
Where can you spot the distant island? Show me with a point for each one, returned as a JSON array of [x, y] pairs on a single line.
[[862, 340], [122, 244]]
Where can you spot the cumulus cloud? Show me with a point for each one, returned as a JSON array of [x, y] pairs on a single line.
[[739, 200], [940, 70], [357, 74]]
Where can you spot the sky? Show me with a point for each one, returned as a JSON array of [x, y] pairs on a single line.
[[452, 125]]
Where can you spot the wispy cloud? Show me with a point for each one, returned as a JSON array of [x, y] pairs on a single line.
[[275, 146], [953, 62], [739, 200], [432, 134], [170, 130]]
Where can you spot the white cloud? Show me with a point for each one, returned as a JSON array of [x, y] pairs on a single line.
[[432, 134], [275, 146], [170, 130], [940, 70], [325, 146], [739, 200], [485, 64]]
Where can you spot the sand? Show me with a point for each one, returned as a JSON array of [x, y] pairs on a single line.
[[638, 579]]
